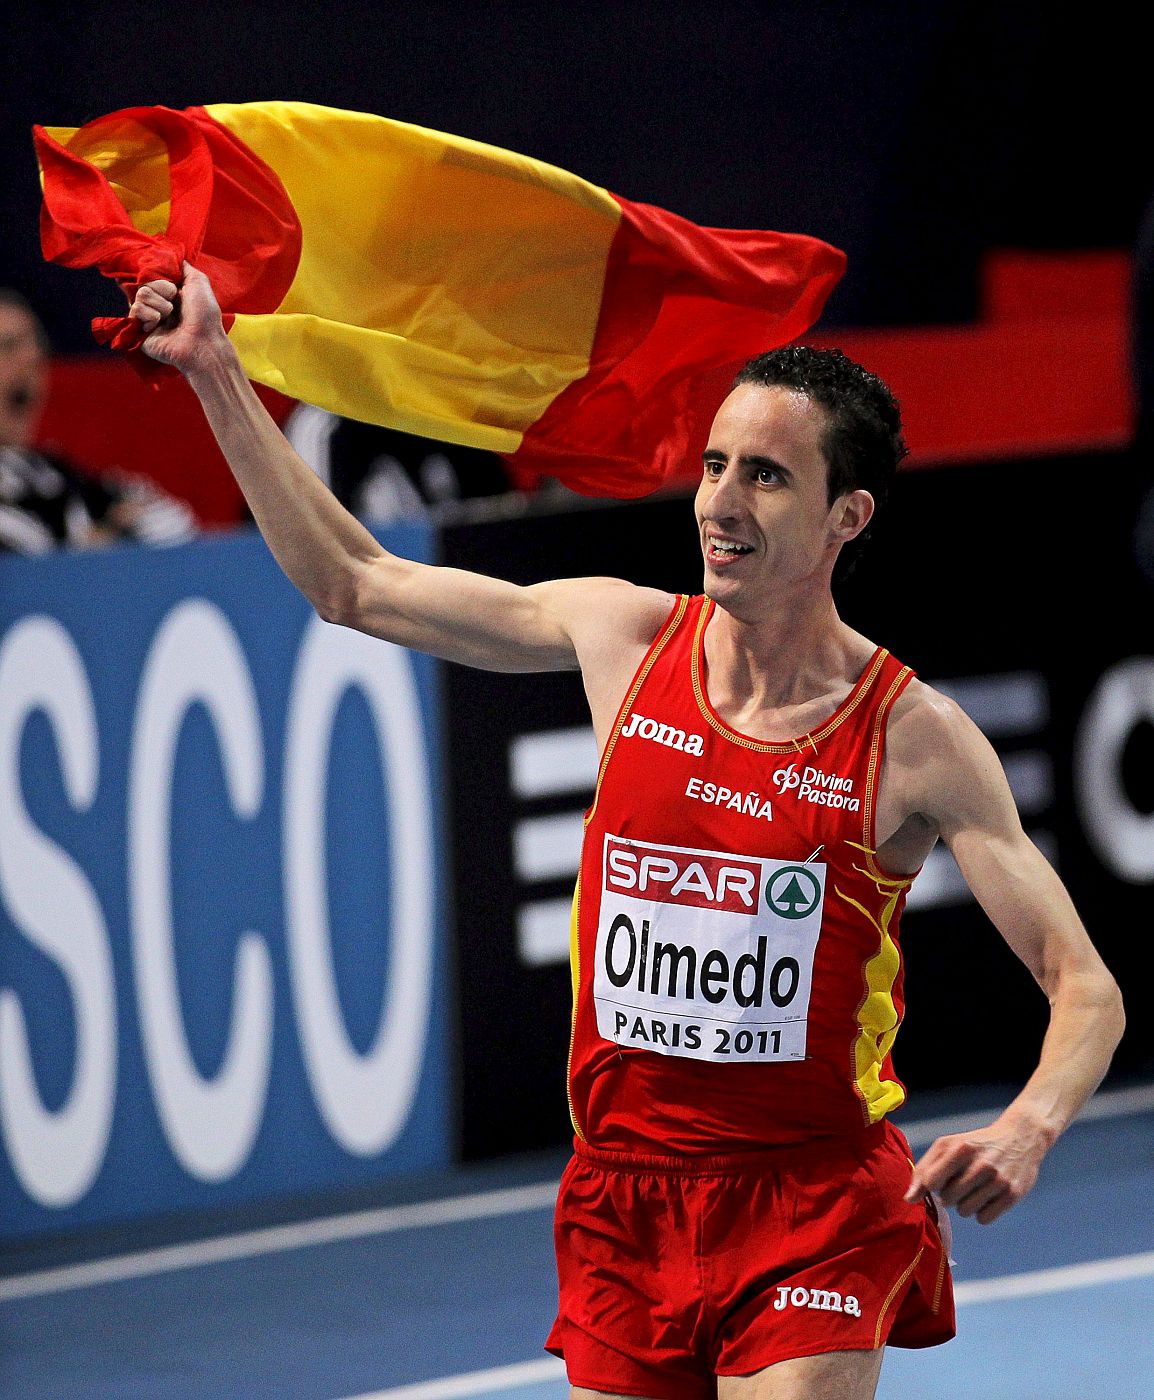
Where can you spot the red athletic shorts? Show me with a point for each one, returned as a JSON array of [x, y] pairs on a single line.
[[676, 1270]]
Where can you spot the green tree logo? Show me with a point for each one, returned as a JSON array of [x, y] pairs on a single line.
[[793, 892]]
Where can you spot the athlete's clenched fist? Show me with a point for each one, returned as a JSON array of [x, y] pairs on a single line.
[[184, 321]]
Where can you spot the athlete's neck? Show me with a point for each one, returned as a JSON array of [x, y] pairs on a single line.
[[774, 672]]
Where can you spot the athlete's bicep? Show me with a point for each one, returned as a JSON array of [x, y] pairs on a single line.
[[1011, 879], [486, 622], [459, 616]]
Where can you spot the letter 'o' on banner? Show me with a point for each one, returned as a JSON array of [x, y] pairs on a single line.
[[365, 1100]]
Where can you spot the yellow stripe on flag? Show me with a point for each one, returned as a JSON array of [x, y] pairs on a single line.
[[462, 283]]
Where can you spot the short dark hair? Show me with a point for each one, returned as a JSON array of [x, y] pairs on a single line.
[[863, 441]]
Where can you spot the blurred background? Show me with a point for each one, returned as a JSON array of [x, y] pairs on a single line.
[[284, 915]]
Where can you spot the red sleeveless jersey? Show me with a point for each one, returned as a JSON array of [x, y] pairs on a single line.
[[736, 972]]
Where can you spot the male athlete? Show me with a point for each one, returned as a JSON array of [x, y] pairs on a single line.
[[739, 1219]]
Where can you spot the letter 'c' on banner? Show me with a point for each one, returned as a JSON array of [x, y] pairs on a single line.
[[1122, 835], [56, 1154], [210, 1122], [365, 1100]]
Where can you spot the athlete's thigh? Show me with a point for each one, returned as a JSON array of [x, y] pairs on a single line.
[[835, 1375], [579, 1392]]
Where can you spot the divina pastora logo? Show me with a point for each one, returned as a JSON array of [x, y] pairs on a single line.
[[810, 784]]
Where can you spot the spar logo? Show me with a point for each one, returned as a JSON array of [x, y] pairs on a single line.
[[693, 878], [812, 784]]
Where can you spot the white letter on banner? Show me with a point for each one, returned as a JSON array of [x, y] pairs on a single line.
[[56, 1155], [364, 1100], [1122, 835], [210, 1123]]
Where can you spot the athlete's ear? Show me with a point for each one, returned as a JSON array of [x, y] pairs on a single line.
[[850, 514]]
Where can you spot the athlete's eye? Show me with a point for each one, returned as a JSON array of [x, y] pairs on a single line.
[[768, 476], [714, 469]]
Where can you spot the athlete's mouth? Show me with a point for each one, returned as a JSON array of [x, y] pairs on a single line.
[[720, 549]]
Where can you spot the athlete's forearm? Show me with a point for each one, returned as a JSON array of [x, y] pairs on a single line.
[[319, 545], [1086, 1024]]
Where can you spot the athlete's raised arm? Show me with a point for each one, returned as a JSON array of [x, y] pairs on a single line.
[[602, 624], [955, 781]]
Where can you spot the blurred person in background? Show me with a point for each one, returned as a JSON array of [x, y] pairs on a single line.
[[383, 475], [45, 502]]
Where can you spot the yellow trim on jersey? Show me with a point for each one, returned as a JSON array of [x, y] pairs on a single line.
[[575, 975], [877, 1016], [861, 689]]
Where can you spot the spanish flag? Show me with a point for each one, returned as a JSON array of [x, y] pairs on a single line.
[[431, 283]]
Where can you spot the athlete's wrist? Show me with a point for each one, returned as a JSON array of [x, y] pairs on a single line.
[[216, 362], [1024, 1116]]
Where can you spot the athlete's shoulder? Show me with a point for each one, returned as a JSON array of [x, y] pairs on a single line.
[[931, 734], [609, 609], [928, 713]]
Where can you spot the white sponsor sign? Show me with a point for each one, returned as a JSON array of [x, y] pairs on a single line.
[[706, 955]]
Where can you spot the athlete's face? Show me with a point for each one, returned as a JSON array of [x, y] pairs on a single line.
[[763, 509]]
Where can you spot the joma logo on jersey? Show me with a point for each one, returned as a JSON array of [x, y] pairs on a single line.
[[813, 785], [679, 877], [666, 734], [821, 1299]]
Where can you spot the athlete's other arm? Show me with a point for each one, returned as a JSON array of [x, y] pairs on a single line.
[[957, 784], [343, 571]]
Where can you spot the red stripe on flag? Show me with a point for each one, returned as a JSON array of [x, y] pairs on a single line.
[[679, 301], [229, 215]]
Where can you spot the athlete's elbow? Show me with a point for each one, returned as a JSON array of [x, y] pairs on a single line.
[[1099, 999], [365, 597], [338, 601], [330, 609]]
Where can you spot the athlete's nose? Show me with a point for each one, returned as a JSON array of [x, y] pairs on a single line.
[[723, 500]]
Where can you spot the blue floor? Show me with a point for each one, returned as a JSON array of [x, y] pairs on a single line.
[[1087, 1344], [347, 1319]]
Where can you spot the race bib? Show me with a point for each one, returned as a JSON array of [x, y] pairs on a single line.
[[705, 955]]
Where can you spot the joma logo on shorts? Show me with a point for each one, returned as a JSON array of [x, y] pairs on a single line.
[[663, 734], [821, 1299]]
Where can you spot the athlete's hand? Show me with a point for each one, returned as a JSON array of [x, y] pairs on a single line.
[[185, 324], [983, 1172]]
